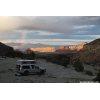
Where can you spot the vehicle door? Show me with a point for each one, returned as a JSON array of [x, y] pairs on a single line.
[[37, 69], [33, 69]]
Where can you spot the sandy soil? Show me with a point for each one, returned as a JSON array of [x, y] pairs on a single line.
[[54, 74]]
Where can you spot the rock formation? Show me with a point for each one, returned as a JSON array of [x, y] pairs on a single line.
[[4, 49], [91, 52], [70, 48], [59, 49], [43, 49]]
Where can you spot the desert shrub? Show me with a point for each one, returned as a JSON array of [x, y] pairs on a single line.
[[97, 78], [65, 61], [89, 73], [19, 54], [10, 54], [47, 59], [31, 55], [22, 55], [59, 59], [78, 66]]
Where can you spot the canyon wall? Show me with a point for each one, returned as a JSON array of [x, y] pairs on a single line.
[[59, 49], [91, 52], [43, 49], [70, 48]]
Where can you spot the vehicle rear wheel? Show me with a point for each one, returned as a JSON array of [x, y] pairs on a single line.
[[42, 72]]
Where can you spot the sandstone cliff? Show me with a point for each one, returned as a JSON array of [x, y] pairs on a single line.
[[43, 49], [70, 48], [59, 49], [91, 52]]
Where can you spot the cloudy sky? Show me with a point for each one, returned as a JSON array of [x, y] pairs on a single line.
[[49, 29]]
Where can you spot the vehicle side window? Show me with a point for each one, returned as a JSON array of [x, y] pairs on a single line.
[[32, 66], [36, 67], [26, 67]]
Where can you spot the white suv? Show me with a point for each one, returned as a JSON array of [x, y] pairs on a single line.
[[29, 68]]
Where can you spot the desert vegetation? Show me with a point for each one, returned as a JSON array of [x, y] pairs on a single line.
[[97, 78], [78, 66], [20, 54], [59, 59], [89, 73]]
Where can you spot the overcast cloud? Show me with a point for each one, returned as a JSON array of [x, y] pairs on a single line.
[[50, 27]]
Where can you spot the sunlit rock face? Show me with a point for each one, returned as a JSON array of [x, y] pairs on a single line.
[[70, 48], [59, 49], [46, 49], [91, 52]]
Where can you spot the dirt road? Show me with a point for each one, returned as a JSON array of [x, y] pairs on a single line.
[[54, 74]]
